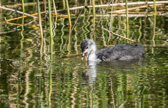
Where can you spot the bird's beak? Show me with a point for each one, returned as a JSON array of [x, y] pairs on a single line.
[[85, 55]]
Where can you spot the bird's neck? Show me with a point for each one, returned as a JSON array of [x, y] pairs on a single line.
[[92, 56]]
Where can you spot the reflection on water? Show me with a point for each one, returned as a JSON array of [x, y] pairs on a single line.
[[28, 79], [73, 84], [90, 73]]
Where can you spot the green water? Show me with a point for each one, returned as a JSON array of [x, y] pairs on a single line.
[[33, 78]]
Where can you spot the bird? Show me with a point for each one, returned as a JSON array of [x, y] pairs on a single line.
[[117, 52]]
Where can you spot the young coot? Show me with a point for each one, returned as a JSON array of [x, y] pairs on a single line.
[[117, 52]]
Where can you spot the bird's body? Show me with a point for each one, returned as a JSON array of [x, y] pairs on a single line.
[[117, 52]]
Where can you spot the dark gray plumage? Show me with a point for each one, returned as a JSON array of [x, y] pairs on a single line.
[[117, 52], [121, 52]]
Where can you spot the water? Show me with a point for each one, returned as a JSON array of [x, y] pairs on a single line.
[[31, 78], [70, 83]]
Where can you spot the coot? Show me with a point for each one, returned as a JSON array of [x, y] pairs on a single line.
[[117, 52]]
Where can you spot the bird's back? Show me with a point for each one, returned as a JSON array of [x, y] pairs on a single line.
[[121, 52]]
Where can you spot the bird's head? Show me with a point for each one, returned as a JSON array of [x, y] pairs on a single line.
[[88, 46]]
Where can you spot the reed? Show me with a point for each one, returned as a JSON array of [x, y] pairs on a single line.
[[44, 3], [117, 4], [154, 26], [55, 10], [140, 32], [50, 23], [94, 17], [21, 55], [69, 42], [1, 7], [62, 35], [63, 2], [50, 85], [0, 21], [133, 8], [119, 35], [154, 2], [69, 17], [41, 29], [22, 36], [127, 19], [94, 12], [51, 51], [25, 4], [23, 9], [30, 15], [76, 40]]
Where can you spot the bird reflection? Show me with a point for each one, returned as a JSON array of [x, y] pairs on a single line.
[[121, 55], [90, 70], [90, 73]]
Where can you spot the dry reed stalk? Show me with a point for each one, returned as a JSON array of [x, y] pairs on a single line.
[[1, 7], [119, 35], [144, 12], [129, 15], [35, 27], [55, 10], [64, 16], [139, 7], [25, 4], [25, 16], [116, 4]]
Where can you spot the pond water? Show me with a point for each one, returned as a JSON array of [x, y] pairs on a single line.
[[34, 75]]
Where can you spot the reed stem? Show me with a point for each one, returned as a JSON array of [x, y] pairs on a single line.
[[154, 1], [117, 4], [63, 1], [119, 35], [55, 10], [154, 25], [94, 14], [69, 17], [127, 19], [44, 1], [1, 7], [50, 22], [23, 6], [0, 21], [94, 17], [23, 9], [41, 29]]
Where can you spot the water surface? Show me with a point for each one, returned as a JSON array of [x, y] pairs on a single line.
[[31, 77]]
